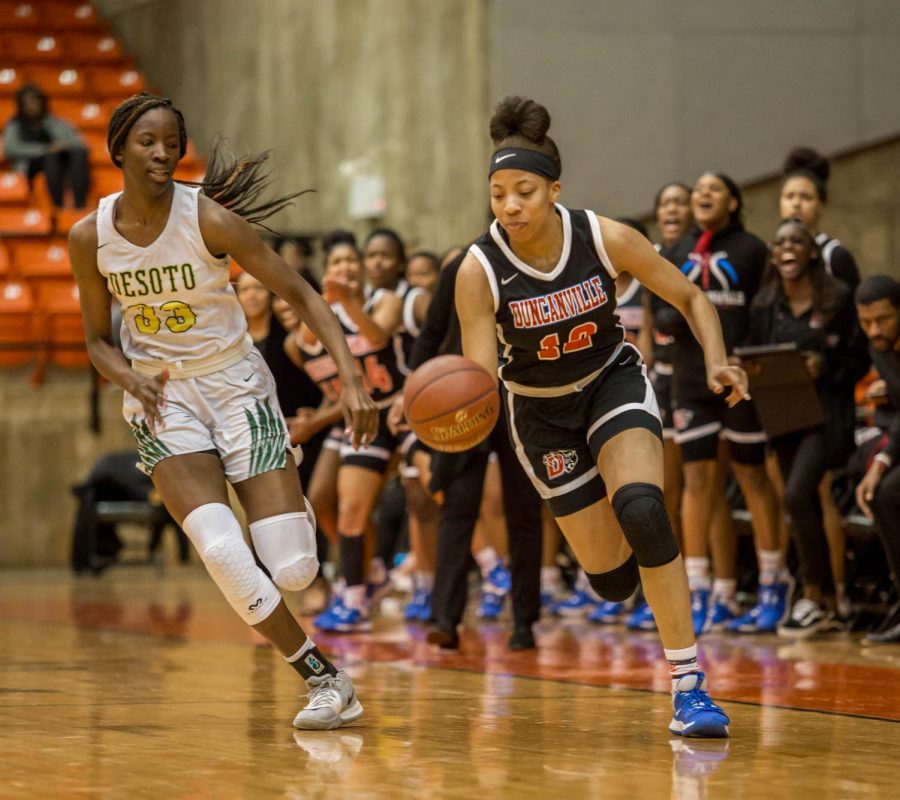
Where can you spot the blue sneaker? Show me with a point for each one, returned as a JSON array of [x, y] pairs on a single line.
[[641, 619], [695, 714], [351, 620], [419, 608], [577, 604], [699, 608], [719, 613], [771, 609], [326, 620], [499, 579], [607, 613], [491, 606]]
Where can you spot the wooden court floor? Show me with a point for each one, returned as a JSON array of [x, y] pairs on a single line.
[[144, 684]]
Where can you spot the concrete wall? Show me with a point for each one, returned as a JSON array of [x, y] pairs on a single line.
[[392, 87], [655, 90]]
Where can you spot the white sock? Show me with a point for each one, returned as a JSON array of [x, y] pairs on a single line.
[[697, 568], [355, 597], [724, 589], [682, 662], [377, 571], [487, 559], [770, 566], [551, 580], [424, 580]]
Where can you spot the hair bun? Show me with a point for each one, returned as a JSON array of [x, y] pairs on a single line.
[[807, 160], [519, 116]]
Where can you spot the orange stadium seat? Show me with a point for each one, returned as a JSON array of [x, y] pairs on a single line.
[[67, 217], [96, 142], [41, 258], [106, 179], [84, 115], [14, 188], [112, 82], [4, 261], [63, 326], [59, 81], [93, 48], [7, 109], [19, 221], [16, 324], [11, 78], [23, 47], [69, 16], [16, 15]]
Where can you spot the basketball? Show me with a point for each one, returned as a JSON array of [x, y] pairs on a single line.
[[451, 403]]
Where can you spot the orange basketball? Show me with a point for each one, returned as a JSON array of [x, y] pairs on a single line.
[[451, 403]]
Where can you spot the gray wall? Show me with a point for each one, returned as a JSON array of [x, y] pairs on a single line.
[[646, 91]]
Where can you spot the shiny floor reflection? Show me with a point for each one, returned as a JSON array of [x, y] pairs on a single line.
[[144, 685]]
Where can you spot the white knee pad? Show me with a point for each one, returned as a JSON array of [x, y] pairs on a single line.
[[216, 533], [286, 544]]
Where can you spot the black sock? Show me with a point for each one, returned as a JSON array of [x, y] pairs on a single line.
[[352, 552], [310, 662]]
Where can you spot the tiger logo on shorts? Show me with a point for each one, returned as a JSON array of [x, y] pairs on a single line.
[[560, 462]]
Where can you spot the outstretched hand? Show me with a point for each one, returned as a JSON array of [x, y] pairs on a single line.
[[735, 377], [360, 415]]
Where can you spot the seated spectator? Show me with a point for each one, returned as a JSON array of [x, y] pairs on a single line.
[[35, 141], [878, 494], [801, 303]]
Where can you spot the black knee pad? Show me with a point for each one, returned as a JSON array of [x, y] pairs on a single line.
[[641, 512], [618, 584]]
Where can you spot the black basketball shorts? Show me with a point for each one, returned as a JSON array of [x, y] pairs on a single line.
[[700, 423], [377, 456], [558, 439], [661, 378]]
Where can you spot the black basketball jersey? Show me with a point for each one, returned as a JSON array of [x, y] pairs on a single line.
[[630, 310], [377, 365], [555, 328], [409, 330]]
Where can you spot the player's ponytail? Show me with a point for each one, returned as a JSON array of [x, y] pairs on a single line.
[[520, 122], [239, 182]]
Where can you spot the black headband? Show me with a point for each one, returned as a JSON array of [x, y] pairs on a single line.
[[528, 160]]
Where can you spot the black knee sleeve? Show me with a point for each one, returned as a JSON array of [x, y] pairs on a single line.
[[618, 584], [641, 512]]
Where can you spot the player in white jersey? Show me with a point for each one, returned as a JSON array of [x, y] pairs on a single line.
[[199, 398]]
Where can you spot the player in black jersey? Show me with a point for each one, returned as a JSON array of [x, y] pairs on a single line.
[[369, 324], [582, 414]]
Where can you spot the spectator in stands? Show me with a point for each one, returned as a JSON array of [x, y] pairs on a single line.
[[878, 494], [800, 303], [36, 141], [295, 253]]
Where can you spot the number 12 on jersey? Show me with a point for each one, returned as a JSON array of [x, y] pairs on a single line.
[[580, 337]]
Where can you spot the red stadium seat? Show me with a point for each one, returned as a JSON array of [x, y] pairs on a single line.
[[7, 109], [63, 327], [67, 217], [28, 48], [84, 115], [59, 81], [19, 221], [106, 179], [111, 82], [17, 324], [96, 142], [11, 78], [69, 16], [14, 188], [4, 261], [16, 15], [93, 48], [41, 258]]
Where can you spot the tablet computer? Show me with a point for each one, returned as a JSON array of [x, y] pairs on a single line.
[[783, 391]]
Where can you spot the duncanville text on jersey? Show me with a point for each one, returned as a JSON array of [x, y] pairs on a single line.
[[573, 301]]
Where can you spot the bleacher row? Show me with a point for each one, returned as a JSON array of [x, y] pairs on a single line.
[[64, 48]]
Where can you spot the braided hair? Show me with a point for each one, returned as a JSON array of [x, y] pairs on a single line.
[[237, 183]]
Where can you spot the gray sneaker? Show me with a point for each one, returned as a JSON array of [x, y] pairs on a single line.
[[332, 703]]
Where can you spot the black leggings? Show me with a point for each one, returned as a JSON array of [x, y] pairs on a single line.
[[886, 510], [57, 167], [802, 458], [463, 488]]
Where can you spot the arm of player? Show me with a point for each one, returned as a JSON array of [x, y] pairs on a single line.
[[632, 253], [96, 303], [475, 307], [380, 325], [224, 231]]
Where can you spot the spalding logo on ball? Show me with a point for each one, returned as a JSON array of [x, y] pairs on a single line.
[[451, 403]]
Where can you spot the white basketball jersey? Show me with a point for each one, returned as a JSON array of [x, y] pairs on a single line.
[[177, 303]]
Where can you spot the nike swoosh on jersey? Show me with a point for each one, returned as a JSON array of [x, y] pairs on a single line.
[[101, 246], [510, 279], [498, 159]]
